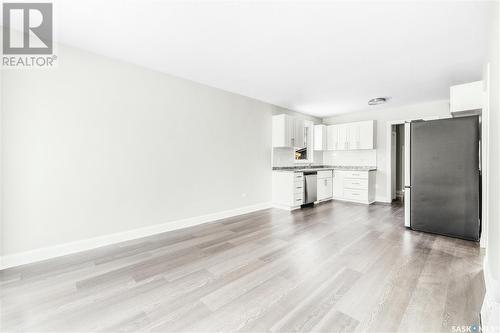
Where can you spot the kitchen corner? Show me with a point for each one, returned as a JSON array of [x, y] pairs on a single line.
[[303, 172]]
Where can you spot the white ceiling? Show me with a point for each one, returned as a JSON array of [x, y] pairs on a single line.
[[319, 58]]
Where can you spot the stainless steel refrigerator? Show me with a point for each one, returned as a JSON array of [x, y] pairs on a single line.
[[442, 177]]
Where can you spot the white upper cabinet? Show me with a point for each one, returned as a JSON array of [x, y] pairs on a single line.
[[366, 134], [351, 136], [320, 137], [298, 137], [288, 131], [282, 131], [343, 137], [466, 97], [332, 137]]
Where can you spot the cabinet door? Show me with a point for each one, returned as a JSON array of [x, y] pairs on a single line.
[[338, 184], [332, 136], [353, 132], [282, 131], [328, 188], [321, 189], [366, 136], [324, 187], [288, 132], [298, 135], [342, 140], [320, 137]]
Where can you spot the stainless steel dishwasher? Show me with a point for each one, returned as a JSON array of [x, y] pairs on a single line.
[[311, 192]]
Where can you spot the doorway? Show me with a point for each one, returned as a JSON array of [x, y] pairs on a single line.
[[397, 162]]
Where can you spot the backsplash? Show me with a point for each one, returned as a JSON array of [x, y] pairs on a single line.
[[351, 158], [283, 157]]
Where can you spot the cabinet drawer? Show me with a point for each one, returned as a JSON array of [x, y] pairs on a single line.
[[351, 183], [298, 200], [298, 186], [356, 174], [360, 195], [325, 174], [298, 176]]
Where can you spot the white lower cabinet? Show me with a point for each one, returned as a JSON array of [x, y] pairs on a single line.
[[288, 189], [324, 185], [338, 184], [357, 186]]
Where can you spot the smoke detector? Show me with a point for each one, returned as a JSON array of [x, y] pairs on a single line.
[[378, 101]]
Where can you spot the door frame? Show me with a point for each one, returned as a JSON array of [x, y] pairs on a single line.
[[388, 146]]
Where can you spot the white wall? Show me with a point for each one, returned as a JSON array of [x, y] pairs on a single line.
[[382, 115], [96, 146], [491, 307]]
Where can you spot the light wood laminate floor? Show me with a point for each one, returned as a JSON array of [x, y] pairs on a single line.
[[338, 267]]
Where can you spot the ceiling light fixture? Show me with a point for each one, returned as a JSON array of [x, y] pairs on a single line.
[[377, 101]]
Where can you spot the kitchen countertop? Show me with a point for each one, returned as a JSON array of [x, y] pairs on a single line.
[[324, 167]]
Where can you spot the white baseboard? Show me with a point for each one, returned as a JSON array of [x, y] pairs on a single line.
[[40, 254], [285, 207], [490, 311]]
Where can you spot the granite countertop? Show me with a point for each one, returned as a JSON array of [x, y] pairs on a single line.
[[324, 167]]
